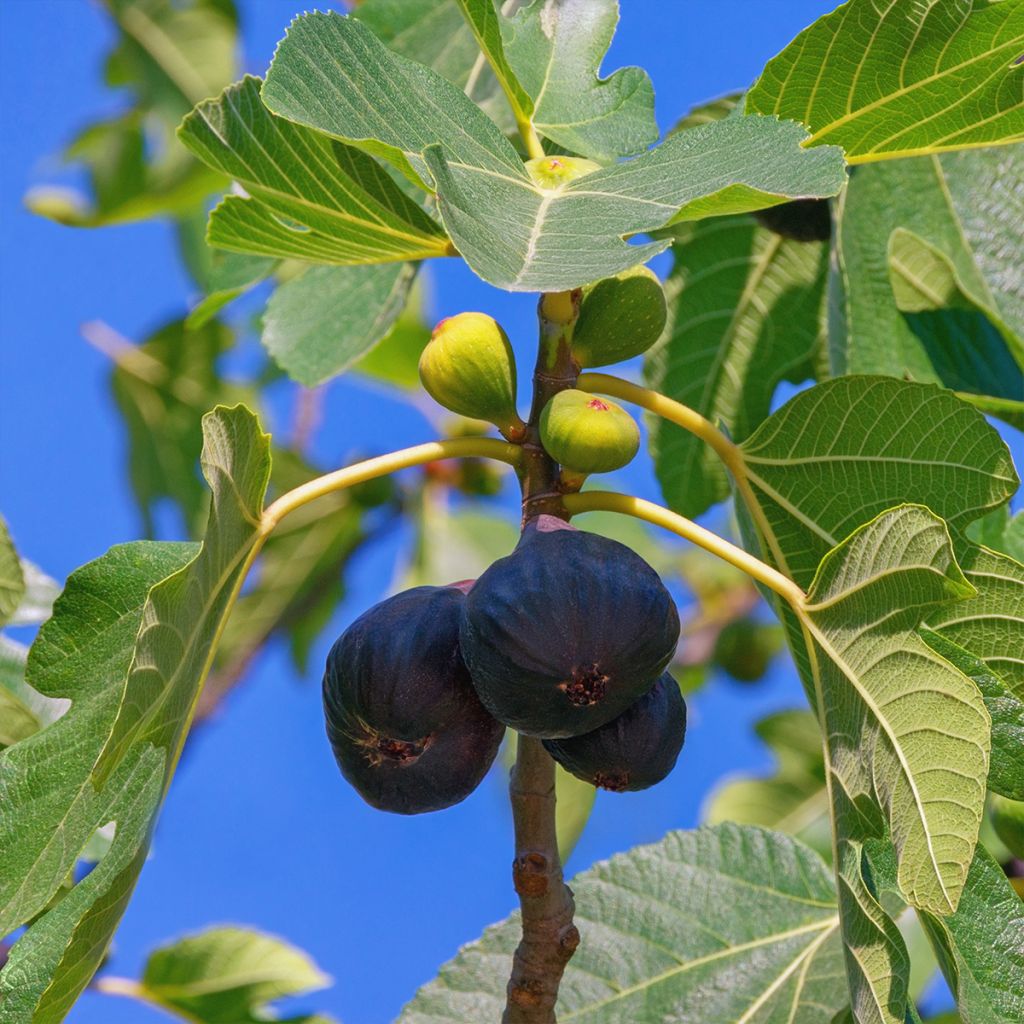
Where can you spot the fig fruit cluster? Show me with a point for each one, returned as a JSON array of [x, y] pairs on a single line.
[[566, 639]]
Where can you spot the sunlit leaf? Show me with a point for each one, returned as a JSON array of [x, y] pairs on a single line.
[[947, 227], [130, 644], [555, 48], [228, 975], [746, 312], [12, 579], [321, 323], [328, 202], [894, 79], [726, 923]]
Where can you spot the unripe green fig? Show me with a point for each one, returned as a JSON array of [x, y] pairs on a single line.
[[552, 172], [620, 317], [634, 751], [587, 434], [468, 367], [1008, 821], [745, 648]]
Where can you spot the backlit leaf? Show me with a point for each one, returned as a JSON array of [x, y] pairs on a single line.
[[746, 312], [556, 48], [331, 202], [887, 79], [678, 931]]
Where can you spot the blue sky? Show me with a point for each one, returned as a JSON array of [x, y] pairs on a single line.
[[259, 829]]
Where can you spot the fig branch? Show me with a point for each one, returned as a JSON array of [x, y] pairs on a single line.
[[698, 425], [549, 937], [626, 504]]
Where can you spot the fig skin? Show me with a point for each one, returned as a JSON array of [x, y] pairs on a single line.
[[552, 172], [468, 367], [620, 317], [404, 722], [634, 751], [565, 633], [803, 220], [587, 434]]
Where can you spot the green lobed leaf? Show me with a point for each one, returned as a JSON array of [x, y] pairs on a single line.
[[521, 237], [17, 719], [746, 312], [1000, 531], [143, 622], [981, 946], [318, 325], [485, 23], [434, 32], [331, 73], [1006, 772], [950, 217], [888, 80], [228, 975], [905, 728], [992, 626], [395, 359], [12, 579], [679, 930], [837, 455], [326, 202], [82, 655], [794, 798], [555, 48], [512, 232]]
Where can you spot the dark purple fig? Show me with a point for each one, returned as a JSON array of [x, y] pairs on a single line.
[[405, 724], [566, 632], [634, 751], [803, 220]]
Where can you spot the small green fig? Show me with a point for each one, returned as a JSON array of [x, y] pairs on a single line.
[[587, 434], [551, 172], [468, 367], [1008, 821], [745, 648], [620, 317]]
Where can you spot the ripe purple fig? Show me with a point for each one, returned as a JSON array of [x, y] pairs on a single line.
[[634, 751], [566, 632], [405, 724]]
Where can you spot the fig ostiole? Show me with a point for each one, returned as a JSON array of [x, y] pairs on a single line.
[[588, 434], [620, 317], [404, 721], [468, 367], [568, 631], [634, 751], [552, 172]]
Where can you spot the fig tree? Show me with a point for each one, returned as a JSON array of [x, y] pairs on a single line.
[[468, 367], [588, 434], [566, 632], [551, 172], [620, 317], [405, 724], [634, 751]]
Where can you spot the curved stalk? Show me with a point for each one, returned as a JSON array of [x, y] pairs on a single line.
[[668, 409], [608, 501], [698, 425], [382, 465]]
